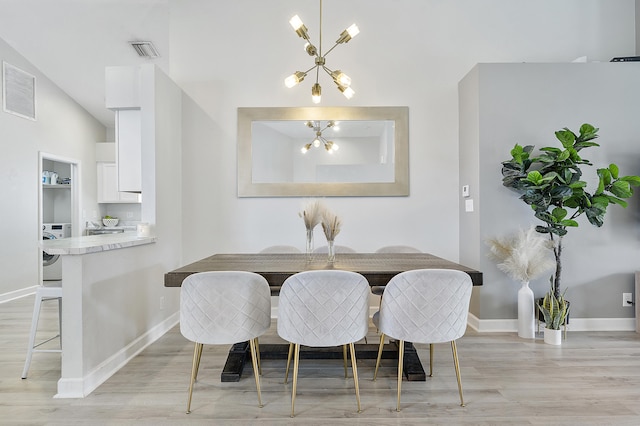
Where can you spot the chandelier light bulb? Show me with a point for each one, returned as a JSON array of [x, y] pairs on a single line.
[[310, 49], [299, 27], [348, 92], [316, 93], [335, 146], [305, 148], [294, 79], [316, 142], [340, 78], [353, 30], [348, 34]]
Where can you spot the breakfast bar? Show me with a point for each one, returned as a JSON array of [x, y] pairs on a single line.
[[100, 290], [377, 268]]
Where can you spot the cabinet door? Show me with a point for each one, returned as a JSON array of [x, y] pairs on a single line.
[[108, 188], [129, 150]]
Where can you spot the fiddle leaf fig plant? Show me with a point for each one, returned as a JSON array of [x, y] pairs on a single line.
[[551, 183]]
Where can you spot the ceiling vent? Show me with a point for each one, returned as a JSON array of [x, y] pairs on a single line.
[[145, 49]]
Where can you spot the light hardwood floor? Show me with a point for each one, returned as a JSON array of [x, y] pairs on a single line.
[[592, 379]]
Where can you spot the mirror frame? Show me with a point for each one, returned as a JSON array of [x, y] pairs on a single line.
[[400, 187]]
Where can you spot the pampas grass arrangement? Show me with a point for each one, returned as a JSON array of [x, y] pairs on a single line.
[[331, 224], [312, 214], [524, 256]]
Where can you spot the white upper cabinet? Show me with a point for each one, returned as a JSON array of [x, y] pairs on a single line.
[[122, 87], [123, 96], [108, 186], [129, 150]]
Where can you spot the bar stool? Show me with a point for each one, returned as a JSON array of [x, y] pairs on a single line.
[[43, 294]]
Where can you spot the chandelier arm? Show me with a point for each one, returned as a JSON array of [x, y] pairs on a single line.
[[310, 69], [329, 51]]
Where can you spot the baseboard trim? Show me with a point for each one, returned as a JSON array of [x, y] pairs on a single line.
[[79, 388], [17, 294], [575, 324]]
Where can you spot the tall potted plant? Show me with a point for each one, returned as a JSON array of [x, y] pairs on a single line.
[[552, 185]]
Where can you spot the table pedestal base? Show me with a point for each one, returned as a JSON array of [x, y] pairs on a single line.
[[239, 354]]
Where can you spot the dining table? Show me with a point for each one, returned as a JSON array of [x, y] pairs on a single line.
[[377, 268]]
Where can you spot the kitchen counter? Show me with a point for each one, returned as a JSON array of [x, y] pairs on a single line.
[[94, 243]]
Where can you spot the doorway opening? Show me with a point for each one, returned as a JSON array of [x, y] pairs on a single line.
[[58, 205]]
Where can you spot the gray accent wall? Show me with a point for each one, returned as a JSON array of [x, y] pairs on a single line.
[[504, 104]]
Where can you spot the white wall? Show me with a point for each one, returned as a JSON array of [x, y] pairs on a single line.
[[63, 129], [409, 52]]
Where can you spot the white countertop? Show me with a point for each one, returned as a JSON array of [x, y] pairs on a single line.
[[94, 243]]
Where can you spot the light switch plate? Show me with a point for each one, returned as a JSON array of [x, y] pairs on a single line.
[[468, 205], [465, 190]]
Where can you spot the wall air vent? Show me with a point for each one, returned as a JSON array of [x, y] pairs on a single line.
[[145, 49], [18, 92]]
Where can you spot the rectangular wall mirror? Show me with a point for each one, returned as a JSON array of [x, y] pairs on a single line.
[[323, 151]]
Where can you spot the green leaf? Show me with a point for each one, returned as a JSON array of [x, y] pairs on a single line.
[[614, 170], [569, 222], [633, 180], [518, 153], [621, 188], [535, 177], [617, 201], [587, 128], [561, 191], [602, 199], [559, 213], [605, 176], [595, 214], [566, 137], [564, 155]]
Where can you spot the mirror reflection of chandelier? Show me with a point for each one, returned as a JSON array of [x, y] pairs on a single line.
[[342, 80], [319, 140]]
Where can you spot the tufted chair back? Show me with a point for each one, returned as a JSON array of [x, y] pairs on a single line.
[[426, 306]]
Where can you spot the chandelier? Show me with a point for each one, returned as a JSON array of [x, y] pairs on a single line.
[[342, 80], [330, 146]]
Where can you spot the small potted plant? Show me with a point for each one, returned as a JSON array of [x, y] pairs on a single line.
[[555, 311]]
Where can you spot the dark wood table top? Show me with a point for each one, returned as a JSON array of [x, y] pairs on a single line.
[[378, 268]]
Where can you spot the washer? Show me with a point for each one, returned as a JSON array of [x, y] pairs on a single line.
[[51, 264]]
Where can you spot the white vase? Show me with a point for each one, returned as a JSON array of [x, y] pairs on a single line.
[[526, 312], [552, 337]]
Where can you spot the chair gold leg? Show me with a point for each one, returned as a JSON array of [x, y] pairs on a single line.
[[258, 353], [454, 350], [286, 374], [400, 363], [254, 362], [375, 373], [296, 361], [198, 361], [430, 359], [344, 359], [354, 367], [197, 352]]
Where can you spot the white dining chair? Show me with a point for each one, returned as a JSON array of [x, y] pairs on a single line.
[[221, 308], [51, 291], [323, 308], [378, 290], [424, 306]]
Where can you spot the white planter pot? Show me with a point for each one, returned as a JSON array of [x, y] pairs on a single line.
[[526, 312], [552, 337]]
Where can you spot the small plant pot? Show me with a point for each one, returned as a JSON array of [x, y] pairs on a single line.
[[552, 337]]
